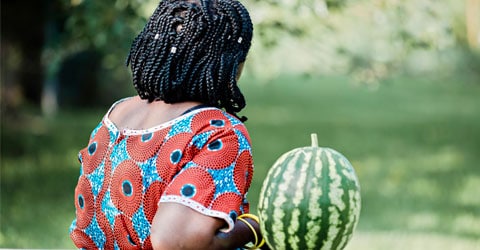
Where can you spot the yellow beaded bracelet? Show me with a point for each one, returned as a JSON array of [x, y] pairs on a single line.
[[262, 242], [256, 219], [251, 228], [251, 216]]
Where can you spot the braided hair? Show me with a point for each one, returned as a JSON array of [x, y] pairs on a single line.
[[190, 50]]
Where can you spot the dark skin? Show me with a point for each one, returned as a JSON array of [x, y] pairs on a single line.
[[202, 232]]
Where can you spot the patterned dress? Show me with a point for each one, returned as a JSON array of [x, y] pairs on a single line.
[[201, 159]]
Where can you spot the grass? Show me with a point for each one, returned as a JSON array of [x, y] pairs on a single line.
[[414, 143], [39, 173]]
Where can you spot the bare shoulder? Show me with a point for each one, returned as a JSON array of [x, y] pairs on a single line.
[[124, 111], [123, 106]]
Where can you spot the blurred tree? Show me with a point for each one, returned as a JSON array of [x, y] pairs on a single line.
[[54, 46], [368, 40], [94, 47], [42, 38]]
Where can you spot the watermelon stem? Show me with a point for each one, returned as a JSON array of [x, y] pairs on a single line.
[[314, 140]]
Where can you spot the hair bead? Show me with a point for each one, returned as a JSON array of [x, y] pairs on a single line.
[[206, 60]]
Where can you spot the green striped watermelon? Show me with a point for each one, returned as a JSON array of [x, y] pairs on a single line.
[[310, 199]]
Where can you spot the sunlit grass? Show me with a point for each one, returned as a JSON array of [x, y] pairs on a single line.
[[401, 240], [414, 143]]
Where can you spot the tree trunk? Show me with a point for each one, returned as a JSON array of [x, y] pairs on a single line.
[[22, 33]]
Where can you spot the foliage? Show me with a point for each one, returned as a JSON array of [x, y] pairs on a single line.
[[107, 28], [368, 40]]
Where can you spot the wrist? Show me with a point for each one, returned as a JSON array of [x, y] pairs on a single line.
[[252, 221]]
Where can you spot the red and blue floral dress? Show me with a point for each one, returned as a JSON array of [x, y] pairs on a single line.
[[201, 159]]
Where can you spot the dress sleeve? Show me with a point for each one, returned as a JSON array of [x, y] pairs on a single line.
[[216, 180]]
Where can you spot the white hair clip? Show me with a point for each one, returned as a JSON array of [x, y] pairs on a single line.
[[240, 40], [157, 36], [173, 50]]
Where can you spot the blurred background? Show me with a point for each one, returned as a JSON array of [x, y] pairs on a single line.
[[394, 85]]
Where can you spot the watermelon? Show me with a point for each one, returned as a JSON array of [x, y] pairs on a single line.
[[310, 199]]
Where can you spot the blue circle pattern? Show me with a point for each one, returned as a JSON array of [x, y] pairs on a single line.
[[176, 156], [127, 188], [215, 145], [189, 190], [217, 123], [147, 137], [233, 214], [92, 148], [81, 201]]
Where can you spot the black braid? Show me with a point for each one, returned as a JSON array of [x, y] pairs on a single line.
[[190, 50]]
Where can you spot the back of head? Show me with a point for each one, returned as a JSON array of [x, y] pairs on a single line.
[[191, 51]]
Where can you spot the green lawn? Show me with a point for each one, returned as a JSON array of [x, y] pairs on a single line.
[[414, 143]]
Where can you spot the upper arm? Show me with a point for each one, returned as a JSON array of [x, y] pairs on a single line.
[[179, 227]]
